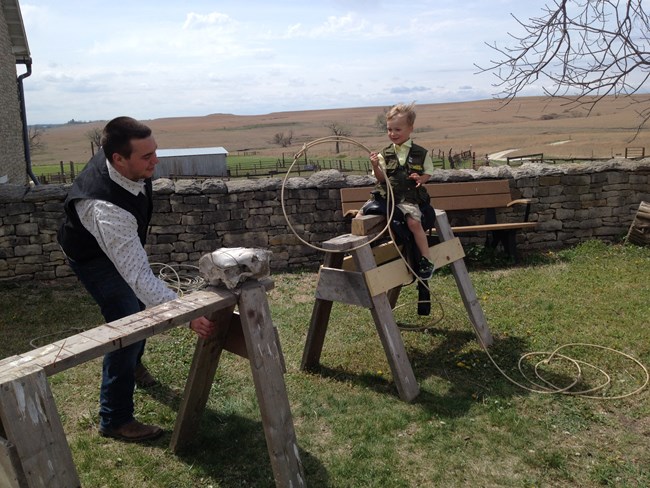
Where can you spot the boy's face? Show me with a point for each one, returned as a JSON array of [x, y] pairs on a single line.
[[399, 129]]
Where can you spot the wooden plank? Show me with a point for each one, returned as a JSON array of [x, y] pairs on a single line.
[[479, 187], [320, 317], [199, 381], [11, 471], [235, 342], [367, 225], [90, 344], [386, 277], [446, 252], [491, 227], [470, 202], [31, 422], [389, 334], [395, 273], [349, 287], [465, 287], [266, 367], [445, 196], [344, 243], [356, 194], [383, 253]]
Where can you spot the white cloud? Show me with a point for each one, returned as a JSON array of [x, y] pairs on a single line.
[[157, 59]]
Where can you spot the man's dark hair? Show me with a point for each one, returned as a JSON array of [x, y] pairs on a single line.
[[117, 135]]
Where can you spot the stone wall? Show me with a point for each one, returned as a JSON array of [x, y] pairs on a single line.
[[12, 153], [572, 203]]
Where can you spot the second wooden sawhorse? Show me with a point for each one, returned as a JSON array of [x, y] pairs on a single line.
[[373, 284], [34, 451]]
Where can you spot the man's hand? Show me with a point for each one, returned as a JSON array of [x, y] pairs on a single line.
[[203, 327]]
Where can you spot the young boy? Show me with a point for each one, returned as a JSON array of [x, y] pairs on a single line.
[[407, 167]]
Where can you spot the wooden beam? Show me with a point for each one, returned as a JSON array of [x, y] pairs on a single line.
[[320, 317], [267, 368], [11, 471], [93, 343], [349, 287], [395, 273], [31, 422], [199, 381], [389, 334], [366, 225], [465, 287]]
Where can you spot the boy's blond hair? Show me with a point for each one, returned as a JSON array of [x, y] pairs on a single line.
[[402, 109]]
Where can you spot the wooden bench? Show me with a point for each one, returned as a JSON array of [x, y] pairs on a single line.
[[484, 195]]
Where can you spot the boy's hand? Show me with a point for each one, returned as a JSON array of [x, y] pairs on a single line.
[[417, 178], [374, 158]]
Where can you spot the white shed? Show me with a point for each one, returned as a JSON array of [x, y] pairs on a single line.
[[191, 161]]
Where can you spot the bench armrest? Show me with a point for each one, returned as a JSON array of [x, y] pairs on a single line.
[[520, 201]]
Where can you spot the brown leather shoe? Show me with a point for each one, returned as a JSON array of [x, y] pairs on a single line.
[[133, 431], [143, 377]]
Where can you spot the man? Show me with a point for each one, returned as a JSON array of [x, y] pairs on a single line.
[[107, 213]]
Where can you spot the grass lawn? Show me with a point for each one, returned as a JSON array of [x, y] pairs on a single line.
[[470, 425]]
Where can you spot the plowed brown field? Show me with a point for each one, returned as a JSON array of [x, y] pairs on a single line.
[[525, 126]]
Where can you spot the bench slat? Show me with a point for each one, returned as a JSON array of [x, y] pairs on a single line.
[[467, 195]]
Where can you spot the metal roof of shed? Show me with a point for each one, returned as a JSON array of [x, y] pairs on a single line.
[[190, 151]]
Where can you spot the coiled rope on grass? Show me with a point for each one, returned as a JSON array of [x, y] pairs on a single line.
[[548, 387]]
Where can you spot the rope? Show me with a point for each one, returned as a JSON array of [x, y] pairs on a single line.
[[302, 152], [547, 387], [178, 278]]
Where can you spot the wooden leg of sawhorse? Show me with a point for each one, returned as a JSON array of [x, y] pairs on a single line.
[[264, 353], [389, 333], [267, 367], [465, 287], [200, 379], [32, 425], [320, 317]]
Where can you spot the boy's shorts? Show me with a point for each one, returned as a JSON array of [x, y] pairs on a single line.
[[410, 209]]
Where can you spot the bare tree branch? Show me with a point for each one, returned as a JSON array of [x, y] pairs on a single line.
[[581, 50]]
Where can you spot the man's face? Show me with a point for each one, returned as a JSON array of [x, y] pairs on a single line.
[[142, 161], [399, 129]]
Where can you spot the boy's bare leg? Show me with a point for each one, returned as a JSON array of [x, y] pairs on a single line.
[[420, 237]]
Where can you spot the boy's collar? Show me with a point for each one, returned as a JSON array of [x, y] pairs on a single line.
[[407, 143]]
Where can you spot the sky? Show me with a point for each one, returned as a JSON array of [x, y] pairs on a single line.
[[95, 60]]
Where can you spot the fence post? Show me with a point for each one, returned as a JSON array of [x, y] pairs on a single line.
[[62, 172], [71, 171]]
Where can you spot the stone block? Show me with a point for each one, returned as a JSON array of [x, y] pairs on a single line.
[[28, 250], [27, 229], [257, 221]]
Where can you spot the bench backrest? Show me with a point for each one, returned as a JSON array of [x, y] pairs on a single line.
[[466, 195]]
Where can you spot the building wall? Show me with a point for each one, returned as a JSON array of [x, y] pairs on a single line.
[[12, 154], [571, 203], [192, 165]]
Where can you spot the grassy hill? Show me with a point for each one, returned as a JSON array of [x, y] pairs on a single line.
[[525, 126]]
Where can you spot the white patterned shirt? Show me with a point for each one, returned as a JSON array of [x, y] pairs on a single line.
[[116, 231]]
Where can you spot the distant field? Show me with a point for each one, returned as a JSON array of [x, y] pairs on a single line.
[[525, 126]]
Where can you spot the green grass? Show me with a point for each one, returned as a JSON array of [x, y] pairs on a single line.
[[470, 426]]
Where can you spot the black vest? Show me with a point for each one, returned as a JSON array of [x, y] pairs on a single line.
[[95, 183], [404, 189]]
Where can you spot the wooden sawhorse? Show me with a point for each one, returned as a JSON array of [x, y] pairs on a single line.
[[364, 283], [34, 451]]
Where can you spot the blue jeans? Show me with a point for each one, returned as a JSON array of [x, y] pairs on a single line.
[[116, 300]]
